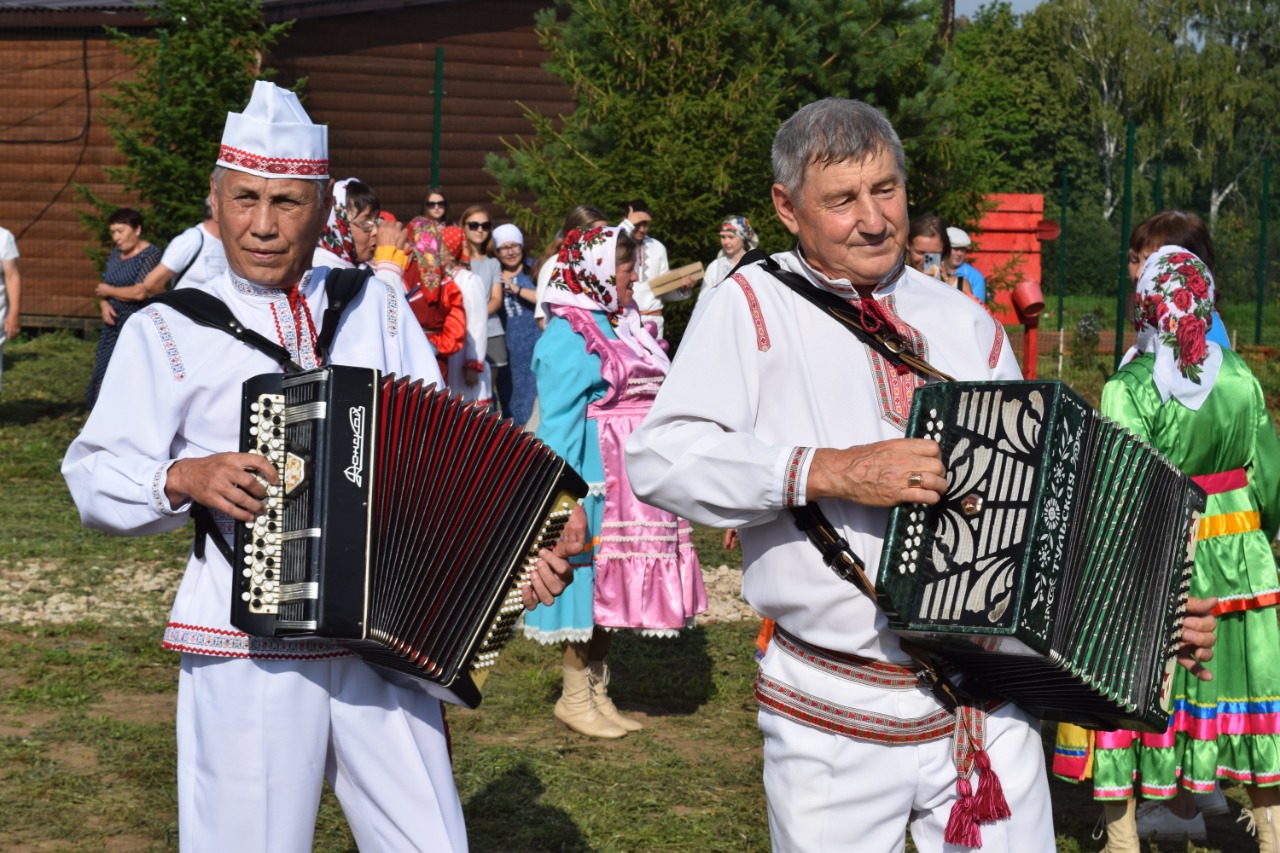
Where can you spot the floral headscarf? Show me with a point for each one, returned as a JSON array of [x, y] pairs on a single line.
[[741, 226], [586, 272], [455, 242], [1173, 310], [427, 252], [336, 236], [586, 277]]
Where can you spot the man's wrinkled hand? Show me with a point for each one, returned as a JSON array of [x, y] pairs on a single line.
[[884, 474], [553, 572], [228, 482], [1198, 637]]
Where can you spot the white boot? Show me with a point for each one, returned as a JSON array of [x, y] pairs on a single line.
[[599, 675], [577, 711]]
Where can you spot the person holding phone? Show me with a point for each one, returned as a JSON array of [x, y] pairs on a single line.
[[927, 245]]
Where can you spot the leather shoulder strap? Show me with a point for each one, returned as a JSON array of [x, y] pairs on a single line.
[[342, 286], [208, 310], [886, 342]]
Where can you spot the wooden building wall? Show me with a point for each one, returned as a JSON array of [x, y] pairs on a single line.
[[370, 77], [46, 146]]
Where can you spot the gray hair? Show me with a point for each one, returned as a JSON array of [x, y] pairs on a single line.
[[833, 130], [321, 184]]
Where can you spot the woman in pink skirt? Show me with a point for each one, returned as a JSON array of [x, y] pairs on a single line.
[[598, 370]]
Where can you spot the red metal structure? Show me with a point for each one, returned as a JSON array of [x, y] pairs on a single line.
[[1007, 252]]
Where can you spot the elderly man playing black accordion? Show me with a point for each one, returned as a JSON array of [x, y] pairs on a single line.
[[772, 405], [262, 721]]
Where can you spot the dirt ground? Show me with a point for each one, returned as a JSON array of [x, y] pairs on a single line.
[[37, 593]]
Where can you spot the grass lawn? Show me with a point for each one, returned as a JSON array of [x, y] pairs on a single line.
[[86, 707]]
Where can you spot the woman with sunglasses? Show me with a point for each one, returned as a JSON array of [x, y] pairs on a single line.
[[477, 227], [469, 373], [356, 234], [434, 206]]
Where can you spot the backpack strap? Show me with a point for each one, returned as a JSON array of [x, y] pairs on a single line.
[[208, 310], [177, 278], [341, 286]]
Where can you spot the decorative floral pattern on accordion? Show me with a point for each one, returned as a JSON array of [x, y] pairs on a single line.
[[1059, 558], [997, 476], [1010, 497]]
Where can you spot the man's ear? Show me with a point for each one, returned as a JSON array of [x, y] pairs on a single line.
[[786, 209], [214, 201]]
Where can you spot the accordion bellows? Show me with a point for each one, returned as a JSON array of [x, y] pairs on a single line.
[[1056, 568], [403, 526]]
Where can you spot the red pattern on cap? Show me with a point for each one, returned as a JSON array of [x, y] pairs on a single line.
[[284, 167]]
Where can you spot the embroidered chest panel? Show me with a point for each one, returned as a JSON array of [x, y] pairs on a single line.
[[894, 386]]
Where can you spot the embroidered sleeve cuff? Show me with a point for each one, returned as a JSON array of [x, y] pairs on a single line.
[[474, 365], [795, 478], [390, 254], [158, 499]]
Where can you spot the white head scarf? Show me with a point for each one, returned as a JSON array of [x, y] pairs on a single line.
[[1173, 309]]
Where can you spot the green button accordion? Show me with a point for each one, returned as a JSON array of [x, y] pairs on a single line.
[[1055, 570]]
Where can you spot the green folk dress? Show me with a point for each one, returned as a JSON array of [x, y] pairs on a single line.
[[1227, 728]]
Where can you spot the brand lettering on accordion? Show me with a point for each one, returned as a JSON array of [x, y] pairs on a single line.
[[355, 471]]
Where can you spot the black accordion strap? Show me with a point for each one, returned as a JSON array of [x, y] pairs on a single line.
[[341, 286], [207, 530], [208, 310], [810, 518], [837, 554], [888, 342]]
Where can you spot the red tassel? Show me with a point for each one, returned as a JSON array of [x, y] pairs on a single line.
[[962, 825], [991, 804]]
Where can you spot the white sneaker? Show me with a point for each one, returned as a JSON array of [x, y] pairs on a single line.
[[1212, 803], [1156, 821]]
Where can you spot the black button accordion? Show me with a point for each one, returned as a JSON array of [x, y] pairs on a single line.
[[404, 523], [1056, 568]]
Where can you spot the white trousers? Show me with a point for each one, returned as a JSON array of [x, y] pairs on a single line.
[[830, 793], [256, 739]]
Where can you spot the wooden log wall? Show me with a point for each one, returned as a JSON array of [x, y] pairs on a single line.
[[52, 137], [370, 77]]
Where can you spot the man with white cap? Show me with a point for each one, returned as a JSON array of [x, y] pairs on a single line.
[[957, 265], [262, 722]]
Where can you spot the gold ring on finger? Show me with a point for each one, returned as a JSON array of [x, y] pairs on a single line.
[[916, 480]]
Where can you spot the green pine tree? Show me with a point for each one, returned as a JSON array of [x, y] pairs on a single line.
[[197, 64]]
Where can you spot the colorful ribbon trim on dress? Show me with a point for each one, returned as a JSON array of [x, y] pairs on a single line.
[[1229, 522], [1241, 603], [1227, 717], [1223, 481]]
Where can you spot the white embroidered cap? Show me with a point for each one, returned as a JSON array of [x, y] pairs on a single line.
[[274, 137]]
